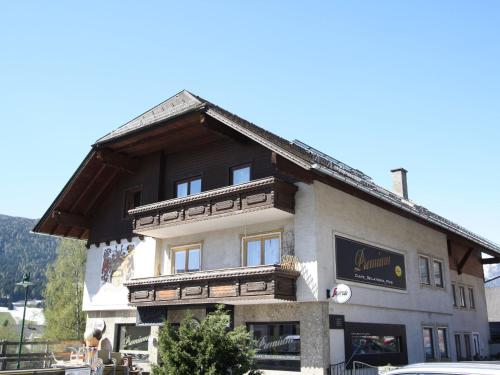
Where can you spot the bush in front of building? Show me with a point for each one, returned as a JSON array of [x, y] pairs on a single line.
[[205, 348]]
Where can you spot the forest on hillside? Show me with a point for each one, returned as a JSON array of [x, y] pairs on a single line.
[[22, 251]]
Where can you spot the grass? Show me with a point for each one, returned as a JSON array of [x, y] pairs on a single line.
[[8, 329]]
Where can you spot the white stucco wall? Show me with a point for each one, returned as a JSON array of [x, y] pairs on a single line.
[[223, 249], [105, 290], [345, 215], [493, 302]]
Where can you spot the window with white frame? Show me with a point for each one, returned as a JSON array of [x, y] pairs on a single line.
[[186, 258], [472, 302], [262, 249], [461, 296], [437, 266], [454, 293], [428, 340], [423, 263], [442, 343]]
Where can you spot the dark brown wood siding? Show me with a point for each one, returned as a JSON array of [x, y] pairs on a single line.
[[107, 221], [158, 173], [472, 266], [213, 163]]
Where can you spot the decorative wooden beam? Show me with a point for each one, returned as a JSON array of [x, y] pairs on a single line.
[[98, 195], [70, 220], [218, 127], [494, 260], [118, 161], [464, 259], [88, 186]]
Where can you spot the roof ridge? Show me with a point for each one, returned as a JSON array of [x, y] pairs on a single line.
[[138, 120]]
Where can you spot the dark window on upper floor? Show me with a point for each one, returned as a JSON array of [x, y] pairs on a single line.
[[241, 174], [437, 266], [132, 200], [187, 187]]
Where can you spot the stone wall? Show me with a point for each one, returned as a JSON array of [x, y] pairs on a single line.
[[313, 318]]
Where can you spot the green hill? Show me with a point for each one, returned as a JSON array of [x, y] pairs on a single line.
[[20, 252]]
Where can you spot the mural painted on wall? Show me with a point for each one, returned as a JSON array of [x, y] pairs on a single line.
[[117, 263]]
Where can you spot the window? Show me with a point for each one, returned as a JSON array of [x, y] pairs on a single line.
[[468, 351], [454, 292], [367, 344], [262, 249], [240, 174], [461, 296], [133, 339], [442, 342], [438, 273], [188, 187], [428, 343], [472, 302], [458, 346], [424, 270], [278, 345], [186, 258], [132, 200]]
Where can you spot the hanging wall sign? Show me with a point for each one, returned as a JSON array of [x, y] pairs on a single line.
[[356, 261], [341, 293]]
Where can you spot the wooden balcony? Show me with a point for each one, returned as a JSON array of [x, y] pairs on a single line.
[[215, 286], [261, 200]]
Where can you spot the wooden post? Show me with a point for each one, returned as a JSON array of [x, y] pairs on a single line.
[[46, 357], [3, 351]]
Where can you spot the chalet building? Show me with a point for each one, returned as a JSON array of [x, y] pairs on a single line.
[[188, 206]]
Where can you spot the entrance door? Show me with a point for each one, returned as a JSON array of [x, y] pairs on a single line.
[[475, 339]]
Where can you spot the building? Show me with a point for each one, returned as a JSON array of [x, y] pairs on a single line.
[[188, 205], [493, 303]]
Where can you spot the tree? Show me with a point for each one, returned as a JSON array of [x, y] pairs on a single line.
[[64, 292], [205, 348]]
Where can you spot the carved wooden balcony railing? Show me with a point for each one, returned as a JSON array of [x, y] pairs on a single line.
[[260, 194], [214, 286]]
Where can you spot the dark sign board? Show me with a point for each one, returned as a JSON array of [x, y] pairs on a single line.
[[362, 263], [151, 315], [337, 321]]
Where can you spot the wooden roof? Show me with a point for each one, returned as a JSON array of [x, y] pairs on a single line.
[[187, 115]]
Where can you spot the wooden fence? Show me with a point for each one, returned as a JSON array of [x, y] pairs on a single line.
[[35, 354]]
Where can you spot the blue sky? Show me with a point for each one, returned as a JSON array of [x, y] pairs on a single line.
[[376, 84]]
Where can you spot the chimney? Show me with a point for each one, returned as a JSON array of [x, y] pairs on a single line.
[[399, 184]]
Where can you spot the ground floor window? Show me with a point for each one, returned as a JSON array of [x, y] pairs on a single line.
[[443, 343], [428, 343], [375, 344], [458, 346], [133, 340], [278, 345], [468, 350], [363, 343]]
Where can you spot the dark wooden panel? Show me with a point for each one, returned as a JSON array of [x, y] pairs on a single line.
[[213, 162], [142, 296], [223, 290], [108, 222], [168, 294], [264, 282], [257, 194]]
